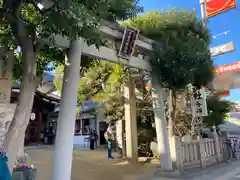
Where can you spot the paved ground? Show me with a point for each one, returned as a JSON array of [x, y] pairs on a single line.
[[224, 171], [89, 165], [93, 165]]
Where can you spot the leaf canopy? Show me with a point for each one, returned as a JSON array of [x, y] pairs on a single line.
[[26, 24], [181, 52], [217, 110]]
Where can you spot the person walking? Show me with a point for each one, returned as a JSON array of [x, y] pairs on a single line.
[[109, 136]]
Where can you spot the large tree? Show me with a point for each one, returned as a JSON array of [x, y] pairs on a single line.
[[181, 52], [217, 110], [26, 24]]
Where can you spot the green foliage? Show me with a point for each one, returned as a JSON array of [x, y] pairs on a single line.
[[105, 82], [86, 64], [48, 54], [217, 110], [102, 81], [181, 54], [24, 24]]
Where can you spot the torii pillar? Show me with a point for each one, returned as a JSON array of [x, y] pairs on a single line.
[[158, 96], [131, 121], [62, 160]]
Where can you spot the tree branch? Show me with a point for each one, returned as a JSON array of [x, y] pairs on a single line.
[[12, 14]]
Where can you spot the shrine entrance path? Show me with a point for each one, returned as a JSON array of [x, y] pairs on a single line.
[[90, 165]]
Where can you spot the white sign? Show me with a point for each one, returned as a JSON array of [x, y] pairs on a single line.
[[32, 116], [199, 105], [222, 49]]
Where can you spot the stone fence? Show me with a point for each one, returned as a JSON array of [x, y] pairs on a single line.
[[199, 153]]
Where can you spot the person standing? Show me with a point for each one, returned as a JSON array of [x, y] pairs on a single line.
[[50, 135], [45, 135], [96, 138], [92, 139], [109, 136]]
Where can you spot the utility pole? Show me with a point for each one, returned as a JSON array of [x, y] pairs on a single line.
[[203, 12]]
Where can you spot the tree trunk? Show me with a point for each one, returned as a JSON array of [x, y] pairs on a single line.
[[14, 138]]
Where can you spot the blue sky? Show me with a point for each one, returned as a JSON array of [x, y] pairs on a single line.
[[226, 21]]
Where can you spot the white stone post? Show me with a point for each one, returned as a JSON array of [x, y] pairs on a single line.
[[62, 159], [131, 122], [217, 145], [161, 125], [176, 152], [201, 151]]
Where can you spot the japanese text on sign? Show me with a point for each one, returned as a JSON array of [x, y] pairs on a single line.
[[199, 107]]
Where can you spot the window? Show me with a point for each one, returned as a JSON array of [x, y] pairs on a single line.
[[86, 126], [78, 127], [83, 126]]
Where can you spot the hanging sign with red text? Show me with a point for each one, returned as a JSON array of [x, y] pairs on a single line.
[[228, 68], [214, 7]]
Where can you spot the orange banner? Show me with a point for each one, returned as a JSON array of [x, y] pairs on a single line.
[[214, 7], [228, 68]]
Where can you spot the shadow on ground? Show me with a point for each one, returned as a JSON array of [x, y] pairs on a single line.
[[90, 165]]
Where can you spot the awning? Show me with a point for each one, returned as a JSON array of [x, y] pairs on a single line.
[[85, 107]]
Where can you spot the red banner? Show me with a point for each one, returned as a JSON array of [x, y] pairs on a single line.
[[214, 7], [222, 94], [228, 68]]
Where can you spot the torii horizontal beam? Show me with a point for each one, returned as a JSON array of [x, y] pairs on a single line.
[[107, 54], [114, 31]]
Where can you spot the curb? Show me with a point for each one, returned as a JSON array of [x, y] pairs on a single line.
[[38, 147]]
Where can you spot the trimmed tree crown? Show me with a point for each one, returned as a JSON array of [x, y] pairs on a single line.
[[182, 54]]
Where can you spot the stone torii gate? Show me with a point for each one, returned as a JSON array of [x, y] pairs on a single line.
[[62, 160], [66, 121]]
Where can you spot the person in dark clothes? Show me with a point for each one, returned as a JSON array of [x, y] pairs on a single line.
[[50, 135], [45, 133], [96, 138], [93, 139]]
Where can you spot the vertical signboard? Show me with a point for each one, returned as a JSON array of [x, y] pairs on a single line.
[[128, 43], [214, 7], [199, 105]]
